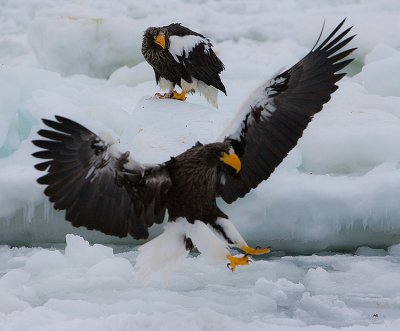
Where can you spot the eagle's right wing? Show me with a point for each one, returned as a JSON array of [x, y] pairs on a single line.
[[99, 187]]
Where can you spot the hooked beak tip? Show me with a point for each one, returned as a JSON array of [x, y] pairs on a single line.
[[232, 160]]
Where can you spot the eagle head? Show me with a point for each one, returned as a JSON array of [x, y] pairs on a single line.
[[157, 37], [222, 154]]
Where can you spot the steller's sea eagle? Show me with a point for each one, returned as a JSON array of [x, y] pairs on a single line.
[[180, 56], [101, 188]]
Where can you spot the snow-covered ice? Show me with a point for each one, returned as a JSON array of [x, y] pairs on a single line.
[[87, 287], [338, 189]]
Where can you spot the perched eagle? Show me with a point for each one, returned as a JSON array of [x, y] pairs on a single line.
[[101, 188], [180, 56]]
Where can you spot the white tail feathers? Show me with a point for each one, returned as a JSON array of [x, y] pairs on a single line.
[[163, 254], [209, 92]]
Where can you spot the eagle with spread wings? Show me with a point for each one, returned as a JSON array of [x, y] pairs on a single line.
[[105, 189]]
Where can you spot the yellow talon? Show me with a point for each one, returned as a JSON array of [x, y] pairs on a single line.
[[172, 95], [235, 261], [179, 96], [255, 251]]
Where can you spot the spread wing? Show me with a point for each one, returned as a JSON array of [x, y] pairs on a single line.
[[194, 51], [99, 187], [279, 111]]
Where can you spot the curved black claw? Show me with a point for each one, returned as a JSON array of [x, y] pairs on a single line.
[[258, 247], [248, 260], [229, 267]]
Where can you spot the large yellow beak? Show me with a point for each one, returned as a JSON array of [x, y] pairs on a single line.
[[160, 40], [232, 160]]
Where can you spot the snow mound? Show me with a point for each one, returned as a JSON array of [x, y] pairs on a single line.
[[72, 40], [132, 76], [80, 251], [383, 76]]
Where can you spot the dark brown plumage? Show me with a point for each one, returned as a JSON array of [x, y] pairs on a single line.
[[101, 188], [180, 56]]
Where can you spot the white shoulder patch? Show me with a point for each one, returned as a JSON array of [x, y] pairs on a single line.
[[263, 97], [184, 44]]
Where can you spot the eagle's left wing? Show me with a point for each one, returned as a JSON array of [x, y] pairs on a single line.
[[279, 111]]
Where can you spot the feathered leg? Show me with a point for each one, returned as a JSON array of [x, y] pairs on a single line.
[[226, 230]]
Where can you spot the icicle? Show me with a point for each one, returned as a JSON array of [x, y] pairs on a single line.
[[47, 210], [28, 213]]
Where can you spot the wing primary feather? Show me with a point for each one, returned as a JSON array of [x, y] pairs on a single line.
[[42, 166], [320, 35], [330, 36], [335, 40]]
